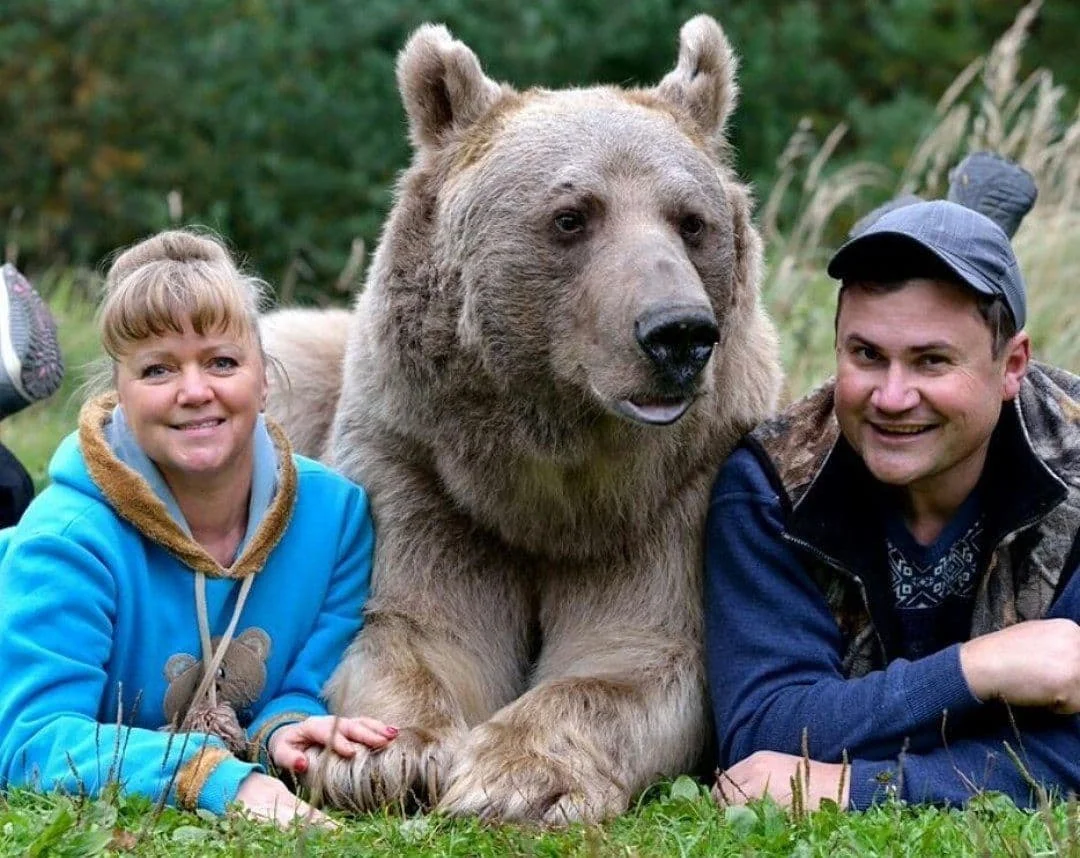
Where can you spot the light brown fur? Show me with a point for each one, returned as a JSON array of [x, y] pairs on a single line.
[[534, 624], [309, 348]]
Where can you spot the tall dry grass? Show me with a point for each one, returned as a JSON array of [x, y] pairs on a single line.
[[988, 107]]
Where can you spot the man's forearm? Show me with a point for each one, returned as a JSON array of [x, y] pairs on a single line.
[[1046, 758]]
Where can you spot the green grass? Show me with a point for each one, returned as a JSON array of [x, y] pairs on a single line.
[[678, 819]]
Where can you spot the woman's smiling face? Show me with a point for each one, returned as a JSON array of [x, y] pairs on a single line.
[[192, 400]]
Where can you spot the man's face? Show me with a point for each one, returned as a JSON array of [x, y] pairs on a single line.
[[918, 390]]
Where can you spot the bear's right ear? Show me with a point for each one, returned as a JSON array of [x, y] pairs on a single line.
[[257, 641], [442, 85], [703, 80]]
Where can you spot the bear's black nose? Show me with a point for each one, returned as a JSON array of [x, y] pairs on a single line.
[[678, 341]]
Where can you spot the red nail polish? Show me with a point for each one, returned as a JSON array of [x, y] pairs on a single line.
[[391, 731], [301, 764]]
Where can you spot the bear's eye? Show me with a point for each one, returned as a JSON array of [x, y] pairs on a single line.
[[692, 226], [570, 222]]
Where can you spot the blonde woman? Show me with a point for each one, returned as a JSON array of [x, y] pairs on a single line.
[[174, 601]]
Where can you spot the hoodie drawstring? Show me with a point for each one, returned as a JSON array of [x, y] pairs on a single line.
[[211, 657]]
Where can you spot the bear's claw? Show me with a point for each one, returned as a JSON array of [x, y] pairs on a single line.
[[505, 782], [407, 774]]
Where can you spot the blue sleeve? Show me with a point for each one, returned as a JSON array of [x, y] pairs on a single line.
[[338, 623], [1047, 745], [1049, 753], [774, 650], [56, 635]]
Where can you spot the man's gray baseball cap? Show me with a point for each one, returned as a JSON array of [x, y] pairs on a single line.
[[937, 239]]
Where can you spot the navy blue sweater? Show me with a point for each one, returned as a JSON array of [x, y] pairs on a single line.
[[773, 653]]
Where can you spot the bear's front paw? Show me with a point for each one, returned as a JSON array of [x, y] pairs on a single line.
[[408, 774], [503, 776]]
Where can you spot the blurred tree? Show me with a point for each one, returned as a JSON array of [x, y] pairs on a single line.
[[277, 122]]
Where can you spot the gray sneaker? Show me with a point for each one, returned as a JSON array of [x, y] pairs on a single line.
[[994, 186], [990, 184], [31, 366]]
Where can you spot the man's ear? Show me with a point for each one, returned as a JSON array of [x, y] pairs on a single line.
[[1015, 359]]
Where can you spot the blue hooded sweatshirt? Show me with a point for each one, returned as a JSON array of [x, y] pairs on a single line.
[[99, 637]]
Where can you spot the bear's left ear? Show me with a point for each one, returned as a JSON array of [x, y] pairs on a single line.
[[256, 640], [703, 80], [441, 84]]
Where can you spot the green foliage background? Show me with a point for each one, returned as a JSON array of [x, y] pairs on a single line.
[[277, 122]]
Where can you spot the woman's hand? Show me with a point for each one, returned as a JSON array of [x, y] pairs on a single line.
[[344, 736], [267, 799]]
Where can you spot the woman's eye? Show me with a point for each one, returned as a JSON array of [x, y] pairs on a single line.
[[223, 364], [570, 222], [692, 226], [156, 370]]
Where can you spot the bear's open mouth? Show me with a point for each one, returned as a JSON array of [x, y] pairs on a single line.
[[654, 411]]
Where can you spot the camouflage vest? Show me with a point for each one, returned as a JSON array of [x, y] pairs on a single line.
[[1030, 486]]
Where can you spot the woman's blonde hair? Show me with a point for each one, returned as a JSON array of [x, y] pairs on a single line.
[[173, 278]]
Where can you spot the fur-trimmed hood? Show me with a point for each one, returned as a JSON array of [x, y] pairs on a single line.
[[91, 467]]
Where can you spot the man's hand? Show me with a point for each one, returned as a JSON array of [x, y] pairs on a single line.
[[770, 773], [1034, 663], [344, 736], [267, 799]]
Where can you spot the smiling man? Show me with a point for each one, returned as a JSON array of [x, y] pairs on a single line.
[[890, 562]]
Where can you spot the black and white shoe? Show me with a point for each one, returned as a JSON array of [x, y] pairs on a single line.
[[31, 366]]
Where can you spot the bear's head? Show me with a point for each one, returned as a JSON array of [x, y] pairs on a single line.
[[587, 249]]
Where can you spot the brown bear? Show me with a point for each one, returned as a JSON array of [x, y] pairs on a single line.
[[308, 345], [559, 340]]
